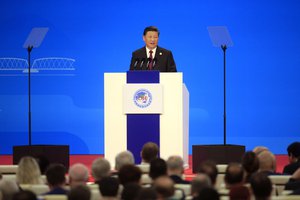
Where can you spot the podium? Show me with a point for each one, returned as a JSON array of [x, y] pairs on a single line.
[[128, 129]]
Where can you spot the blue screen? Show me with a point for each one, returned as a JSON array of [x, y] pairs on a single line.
[[88, 38]]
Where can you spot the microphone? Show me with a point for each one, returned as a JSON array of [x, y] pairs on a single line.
[[148, 62], [154, 62], [135, 63], [142, 63]]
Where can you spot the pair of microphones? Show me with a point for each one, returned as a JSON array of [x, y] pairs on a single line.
[[139, 63]]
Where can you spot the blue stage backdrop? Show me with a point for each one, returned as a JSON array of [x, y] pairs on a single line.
[[88, 38]]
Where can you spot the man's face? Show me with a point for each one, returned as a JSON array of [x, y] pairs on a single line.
[[151, 39]]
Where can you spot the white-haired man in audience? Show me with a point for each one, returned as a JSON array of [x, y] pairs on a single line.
[[267, 163], [123, 158], [175, 169], [258, 149], [100, 169], [78, 175]]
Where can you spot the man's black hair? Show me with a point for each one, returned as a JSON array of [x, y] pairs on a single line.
[[151, 28]]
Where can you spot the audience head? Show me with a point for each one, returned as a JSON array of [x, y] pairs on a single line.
[[147, 194], [28, 171], [79, 192], [250, 163], [239, 192], [24, 195], [267, 161], [129, 174], [258, 149], [158, 167], [210, 168], [261, 186], [130, 191], [164, 187], [234, 175], [55, 175], [149, 152], [124, 158], [109, 187], [294, 152], [199, 182], [175, 165], [208, 194], [8, 188], [100, 169], [78, 174]]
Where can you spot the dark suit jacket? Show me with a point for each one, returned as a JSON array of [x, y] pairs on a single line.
[[291, 168], [179, 180], [164, 61], [292, 184]]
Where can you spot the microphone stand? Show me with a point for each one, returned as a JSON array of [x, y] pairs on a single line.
[[29, 49], [224, 48]]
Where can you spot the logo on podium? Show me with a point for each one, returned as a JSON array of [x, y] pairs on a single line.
[[142, 98]]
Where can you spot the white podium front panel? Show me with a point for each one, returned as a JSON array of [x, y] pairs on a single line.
[[143, 99], [173, 121]]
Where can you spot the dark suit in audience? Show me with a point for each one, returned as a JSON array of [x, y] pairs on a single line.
[[294, 158]]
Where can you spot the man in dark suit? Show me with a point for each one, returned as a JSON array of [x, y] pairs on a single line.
[[294, 158], [152, 57]]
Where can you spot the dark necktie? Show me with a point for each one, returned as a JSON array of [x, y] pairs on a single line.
[[151, 60]]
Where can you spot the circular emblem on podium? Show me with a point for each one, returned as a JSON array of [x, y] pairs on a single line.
[[142, 98]]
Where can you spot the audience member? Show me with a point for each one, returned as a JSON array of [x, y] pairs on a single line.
[[294, 181], [149, 152], [199, 182], [130, 191], [164, 187], [129, 174], [28, 171], [294, 158], [78, 174], [79, 192], [55, 175], [100, 169], [234, 175], [261, 186], [8, 188], [210, 168], [24, 195], [250, 164], [147, 194], [175, 169], [239, 192], [109, 187], [267, 163], [257, 150], [208, 194], [124, 158], [158, 167]]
